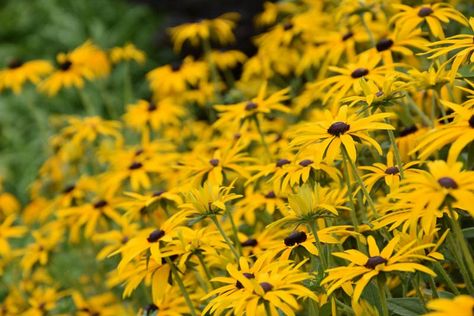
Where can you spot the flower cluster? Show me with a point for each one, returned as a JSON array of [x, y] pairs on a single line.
[[329, 173]]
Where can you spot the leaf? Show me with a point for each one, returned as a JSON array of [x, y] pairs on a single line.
[[408, 306], [468, 232]]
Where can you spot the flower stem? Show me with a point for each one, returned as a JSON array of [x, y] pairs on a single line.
[[396, 152], [426, 120], [383, 298], [360, 182], [466, 254], [88, 106], [268, 311], [185, 293], [440, 271], [434, 291], [204, 267], [127, 85], [226, 238], [262, 138], [234, 231], [322, 258]]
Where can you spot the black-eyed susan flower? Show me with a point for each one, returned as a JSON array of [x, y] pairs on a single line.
[[341, 130], [128, 52], [248, 290], [432, 14], [18, 72], [367, 267], [7, 231], [459, 305], [227, 59], [219, 29]]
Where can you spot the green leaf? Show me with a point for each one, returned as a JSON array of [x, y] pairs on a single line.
[[408, 306], [468, 232]]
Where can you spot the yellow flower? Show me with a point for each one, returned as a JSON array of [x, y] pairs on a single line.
[[459, 305], [260, 105], [433, 14], [219, 29], [102, 304], [17, 73], [7, 230], [367, 267], [155, 115], [341, 130], [127, 53], [227, 59]]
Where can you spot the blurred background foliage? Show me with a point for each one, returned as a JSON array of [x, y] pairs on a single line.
[[40, 29]]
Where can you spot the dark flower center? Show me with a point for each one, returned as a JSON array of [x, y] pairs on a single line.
[[424, 12], [138, 152], [375, 261], [251, 106], [176, 66], [65, 65], [249, 243], [124, 240], [281, 162], [471, 121], [69, 189], [288, 26], [270, 195], [239, 285], [135, 165], [150, 308], [15, 63], [214, 162], [100, 204], [448, 183], [338, 128], [158, 193], [266, 286], [155, 235], [151, 107], [392, 170], [359, 73], [294, 238], [384, 44], [408, 130], [346, 36], [305, 163]]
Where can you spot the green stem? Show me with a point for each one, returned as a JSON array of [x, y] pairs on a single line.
[[360, 182], [440, 271], [204, 267], [268, 311], [426, 120], [367, 30], [262, 138], [127, 85], [434, 291], [466, 254], [88, 106], [185, 293], [322, 258], [396, 152], [416, 286], [226, 238], [462, 268], [234, 231], [383, 298]]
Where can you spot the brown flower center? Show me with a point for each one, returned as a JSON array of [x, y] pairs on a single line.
[[135, 166], [305, 163], [270, 195], [251, 106], [408, 130], [281, 162], [372, 262], [471, 121], [294, 238], [424, 12], [359, 73], [338, 128], [214, 162], [15, 63], [151, 107], [448, 183], [384, 44], [249, 243], [392, 170], [346, 36], [239, 285], [266, 286], [100, 204], [65, 66], [155, 235]]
